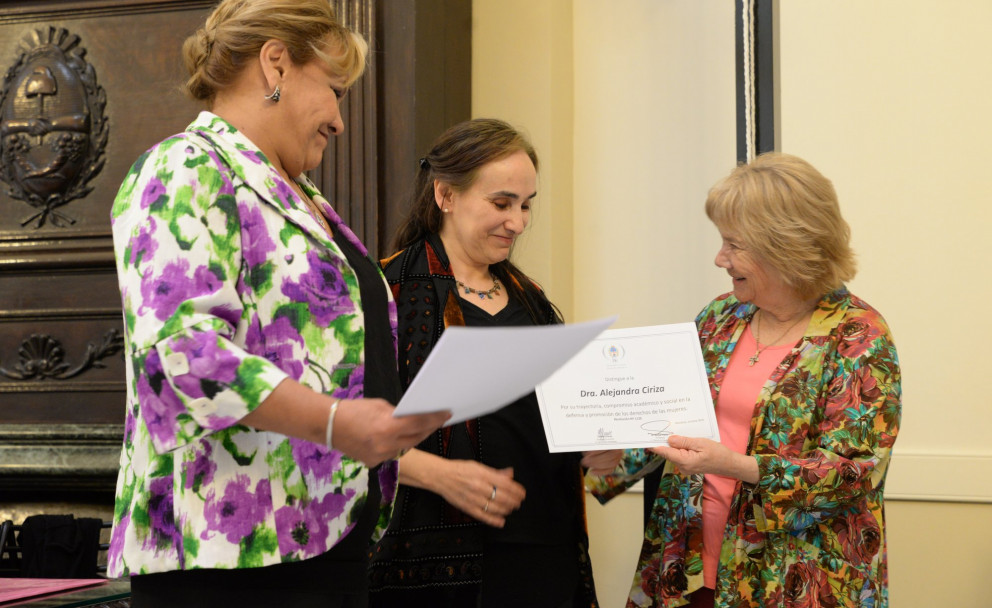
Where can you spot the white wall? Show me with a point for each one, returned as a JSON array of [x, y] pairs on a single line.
[[654, 129], [522, 72], [891, 100], [631, 106]]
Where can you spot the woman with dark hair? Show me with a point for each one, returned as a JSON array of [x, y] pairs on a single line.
[[485, 515], [259, 446]]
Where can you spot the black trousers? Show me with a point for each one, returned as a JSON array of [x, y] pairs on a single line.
[[466, 596], [548, 578], [318, 582]]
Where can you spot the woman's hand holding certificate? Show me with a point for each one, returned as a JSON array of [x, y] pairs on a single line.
[[695, 455]]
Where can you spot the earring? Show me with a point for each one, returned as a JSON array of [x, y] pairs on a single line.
[[446, 210], [274, 96]]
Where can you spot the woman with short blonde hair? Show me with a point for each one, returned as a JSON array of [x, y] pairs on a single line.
[[787, 213], [787, 508]]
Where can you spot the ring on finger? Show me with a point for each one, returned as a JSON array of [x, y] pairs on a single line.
[[485, 509], [493, 495]]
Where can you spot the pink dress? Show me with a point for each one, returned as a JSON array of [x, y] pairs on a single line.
[[734, 411]]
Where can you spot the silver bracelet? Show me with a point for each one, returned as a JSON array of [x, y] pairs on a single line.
[[330, 424]]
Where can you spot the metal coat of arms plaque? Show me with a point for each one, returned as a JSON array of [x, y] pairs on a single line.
[[52, 126]]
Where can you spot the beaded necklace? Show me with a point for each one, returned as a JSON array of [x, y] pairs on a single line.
[[489, 293]]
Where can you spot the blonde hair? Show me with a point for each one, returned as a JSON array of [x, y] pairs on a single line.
[[786, 213], [236, 30]]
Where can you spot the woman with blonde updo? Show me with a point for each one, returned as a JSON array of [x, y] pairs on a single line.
[[260, 448]]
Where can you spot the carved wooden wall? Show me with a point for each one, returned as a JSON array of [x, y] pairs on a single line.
[[88, 85]]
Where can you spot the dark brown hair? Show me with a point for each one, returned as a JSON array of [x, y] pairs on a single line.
[[456, 159]]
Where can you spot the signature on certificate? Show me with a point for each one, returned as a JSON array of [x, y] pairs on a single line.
[[657, 428]]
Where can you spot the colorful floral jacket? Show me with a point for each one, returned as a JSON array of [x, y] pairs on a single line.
[[811, 532], [229, 286]]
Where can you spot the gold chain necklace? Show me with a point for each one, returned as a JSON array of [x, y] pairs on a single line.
[[757, 330], [489, 293]]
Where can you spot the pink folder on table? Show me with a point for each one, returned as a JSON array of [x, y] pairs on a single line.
[[22, 588]]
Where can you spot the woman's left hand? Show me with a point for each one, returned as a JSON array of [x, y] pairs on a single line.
[[601, 462], [694, 455]]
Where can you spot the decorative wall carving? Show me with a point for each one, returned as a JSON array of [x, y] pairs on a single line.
[[42, 357], [62, 385], [52, 127]]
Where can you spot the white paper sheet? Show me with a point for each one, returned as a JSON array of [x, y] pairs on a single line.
[[473, 371], [629, 388]]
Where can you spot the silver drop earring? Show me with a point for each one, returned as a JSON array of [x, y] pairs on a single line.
[[274, 96]]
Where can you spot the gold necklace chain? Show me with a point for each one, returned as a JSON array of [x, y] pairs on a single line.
[[759, 348]]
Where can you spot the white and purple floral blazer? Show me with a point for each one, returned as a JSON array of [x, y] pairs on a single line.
[[229, 286]]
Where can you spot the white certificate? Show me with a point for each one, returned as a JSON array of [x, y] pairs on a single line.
[[473, 371], [629, 388]]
